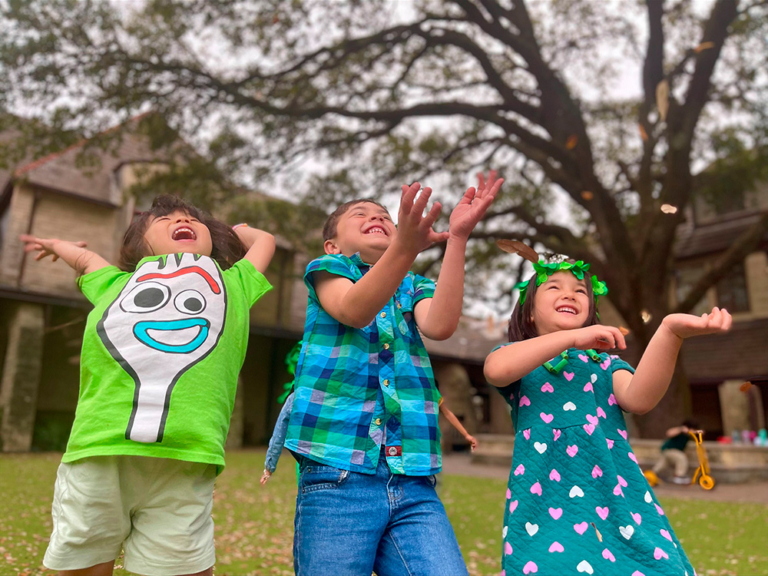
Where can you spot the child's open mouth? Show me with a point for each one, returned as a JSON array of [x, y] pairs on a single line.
[[376, 230], [566, 310], [184, 233]]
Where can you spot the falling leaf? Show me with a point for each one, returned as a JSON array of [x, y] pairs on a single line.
[[599, 536], [703, 46], [587, 195], [517, 247], [746, 386], [643, 133], [646, 316], [624, 331], [570, 144], [662, 99], [668, 209], [275, 19]]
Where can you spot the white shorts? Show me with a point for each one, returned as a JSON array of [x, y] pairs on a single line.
[[156, 509]]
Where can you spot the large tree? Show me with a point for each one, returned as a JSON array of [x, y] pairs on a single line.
[[368, 95]]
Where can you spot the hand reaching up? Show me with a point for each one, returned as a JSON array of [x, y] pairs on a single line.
[[686, 325], [45, 246], [414, 230], [472, 207]]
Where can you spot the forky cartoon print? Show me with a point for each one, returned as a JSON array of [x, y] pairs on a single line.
[[167, 318]]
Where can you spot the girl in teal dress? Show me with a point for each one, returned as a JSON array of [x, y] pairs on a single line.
[[577, 502]]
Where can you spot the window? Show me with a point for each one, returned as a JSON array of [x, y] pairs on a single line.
[[686, 279], [732, 291]]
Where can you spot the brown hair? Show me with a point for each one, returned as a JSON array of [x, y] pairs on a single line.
[[226, 246], [329, 230], [521, 326]]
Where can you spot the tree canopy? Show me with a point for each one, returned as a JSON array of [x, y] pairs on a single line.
[[368, 95]]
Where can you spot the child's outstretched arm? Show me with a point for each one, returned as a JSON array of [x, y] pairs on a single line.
[[75, 254], [510, 363], [260, 245], [439, 316], [639, 393], [357, 303], [457, 424]]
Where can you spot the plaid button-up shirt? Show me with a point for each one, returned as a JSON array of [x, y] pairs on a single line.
[[358, 388]]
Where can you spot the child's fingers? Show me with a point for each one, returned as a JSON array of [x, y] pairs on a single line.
[[431, 216], [727, 321], [421, 202], [469, 195], [409, 193], [480, 180]]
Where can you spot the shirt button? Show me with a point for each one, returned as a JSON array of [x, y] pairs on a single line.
[[383, 314], [386, 346], [378, 421], [386, 382], [392, 451], [399, 305]]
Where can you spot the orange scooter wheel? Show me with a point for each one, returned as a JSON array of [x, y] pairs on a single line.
[[652, 478], [706, 482]]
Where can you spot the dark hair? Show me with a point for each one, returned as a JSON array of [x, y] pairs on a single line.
[[329, 230], [226, 246], [692, 424], [521, 326]]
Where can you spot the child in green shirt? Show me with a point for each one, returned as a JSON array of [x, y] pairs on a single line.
[[162, 350]]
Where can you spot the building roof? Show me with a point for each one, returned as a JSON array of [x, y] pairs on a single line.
[[61, 171], [716, 237]]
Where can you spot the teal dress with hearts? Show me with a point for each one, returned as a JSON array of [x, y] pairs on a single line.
[[577, 502]]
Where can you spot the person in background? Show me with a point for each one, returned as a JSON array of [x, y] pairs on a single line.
[[673, 452]]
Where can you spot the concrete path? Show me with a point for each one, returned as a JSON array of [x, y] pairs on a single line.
[[757, 492]]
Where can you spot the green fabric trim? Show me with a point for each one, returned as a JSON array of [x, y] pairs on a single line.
[[560, 365]]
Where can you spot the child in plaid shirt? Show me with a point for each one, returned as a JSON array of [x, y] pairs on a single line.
[[364, 420]]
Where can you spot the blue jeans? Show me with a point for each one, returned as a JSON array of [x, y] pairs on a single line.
[[350, 524]]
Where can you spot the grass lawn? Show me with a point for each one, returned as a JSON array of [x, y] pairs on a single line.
[[254, 525]]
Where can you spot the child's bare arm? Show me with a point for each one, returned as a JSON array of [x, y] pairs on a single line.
[[509, 364], [438, 317], [75, 254], [260, 245], [456, 423], [357, 303], [643, 391]]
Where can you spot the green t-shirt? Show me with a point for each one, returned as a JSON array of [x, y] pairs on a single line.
[[162, 350]]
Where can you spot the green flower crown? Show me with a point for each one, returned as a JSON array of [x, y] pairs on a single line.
[[544, 270]]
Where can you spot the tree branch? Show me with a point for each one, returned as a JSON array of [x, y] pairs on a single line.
[[740, 249]]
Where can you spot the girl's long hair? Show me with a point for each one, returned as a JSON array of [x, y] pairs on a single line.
[[521, 326], [227, 247]]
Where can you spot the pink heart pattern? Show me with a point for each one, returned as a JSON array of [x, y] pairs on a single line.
[[554, 475], [604, 365], [602, 512], [610, 443], [617, 491], [608, 555], [572, 450], [556, 513], [632, 457], [512, 506], [568, 376], [581, 527], [509, 493], [637, 518], [612, 400], [557, 433], [601, 413], [588, 387], [659, 510], [621, 480], [546, 417], [658, 553], [530, 568], [596, 471], [547, 388], [589, 428], [520, 470], [622, 433], [556, 547], [665, 534], [536, 489], [584, 358], [507, 549], [592, 419], [527, 434], [525, 401]]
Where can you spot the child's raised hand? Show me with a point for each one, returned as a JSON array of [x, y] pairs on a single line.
[[414, 230], [472, 207], [598, 337], [686, 325], [44, 246]]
